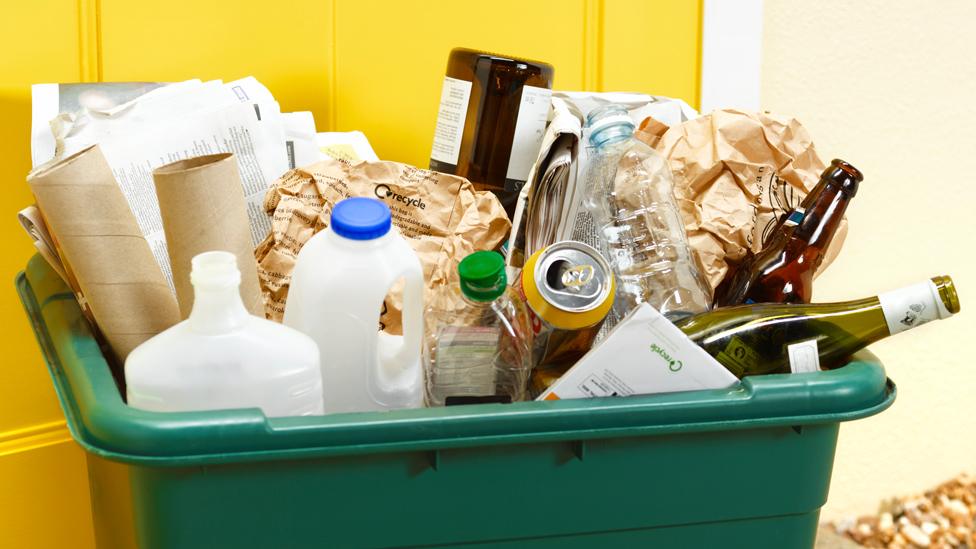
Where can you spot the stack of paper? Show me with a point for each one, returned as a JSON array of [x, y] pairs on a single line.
[[142, 126]]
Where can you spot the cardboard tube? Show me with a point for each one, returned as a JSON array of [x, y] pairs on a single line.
[[104, 251], [201, 201]]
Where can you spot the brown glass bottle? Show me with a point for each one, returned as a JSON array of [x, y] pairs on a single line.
[[491, 120], [742, 275], [783, 271]]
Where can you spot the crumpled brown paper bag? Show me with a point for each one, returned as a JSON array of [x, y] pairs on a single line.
[[442, 217], [735, 173]]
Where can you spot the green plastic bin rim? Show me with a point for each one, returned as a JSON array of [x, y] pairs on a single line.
[[102, 424]]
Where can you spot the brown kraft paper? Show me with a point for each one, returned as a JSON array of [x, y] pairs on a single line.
[[735, 173], [201, 202], [108, 262], [441, 216]]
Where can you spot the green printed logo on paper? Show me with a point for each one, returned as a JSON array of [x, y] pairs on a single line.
[[673, 364]]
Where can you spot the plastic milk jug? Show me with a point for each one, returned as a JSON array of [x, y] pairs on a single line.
[[341, 278], [222, 357]]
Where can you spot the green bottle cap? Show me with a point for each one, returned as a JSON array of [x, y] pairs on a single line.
[[482, 276]]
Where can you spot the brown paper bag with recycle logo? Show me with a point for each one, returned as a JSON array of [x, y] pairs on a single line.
[[441, 216], [735, 173]]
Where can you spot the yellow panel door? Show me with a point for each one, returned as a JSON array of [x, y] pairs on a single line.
[[44, 499], [389, 68], [390, 62], [286, 45]]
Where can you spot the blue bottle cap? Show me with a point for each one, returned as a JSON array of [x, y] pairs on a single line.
[[360, 218]]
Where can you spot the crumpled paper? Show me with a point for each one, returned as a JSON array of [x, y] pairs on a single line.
[[441, 216], [735, 173]]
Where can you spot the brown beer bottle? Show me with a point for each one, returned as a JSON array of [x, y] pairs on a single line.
[[783, 271]]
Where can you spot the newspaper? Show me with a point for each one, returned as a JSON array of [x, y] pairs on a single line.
[[301, 144], [33, 223], [142, 126], [550, 204]]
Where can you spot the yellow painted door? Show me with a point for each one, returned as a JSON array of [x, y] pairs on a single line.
[[374, 66], [43, 485]]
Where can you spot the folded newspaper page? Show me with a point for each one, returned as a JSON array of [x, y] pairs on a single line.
[[33, 223]]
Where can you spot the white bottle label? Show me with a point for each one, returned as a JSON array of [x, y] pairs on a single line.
[[450, 120], [912, 306], [530, 127], [804, 356]]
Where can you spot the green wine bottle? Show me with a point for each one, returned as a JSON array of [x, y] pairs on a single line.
[[767, 338]]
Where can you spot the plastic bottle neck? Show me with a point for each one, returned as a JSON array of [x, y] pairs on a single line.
[[476, 303], [610, 135], [822, 220], [217, 304], [349, 243], [217, 310]]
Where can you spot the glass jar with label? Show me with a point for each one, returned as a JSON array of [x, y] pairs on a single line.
[[491, 120]]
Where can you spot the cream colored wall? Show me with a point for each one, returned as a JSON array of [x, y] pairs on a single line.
[[890, 85]]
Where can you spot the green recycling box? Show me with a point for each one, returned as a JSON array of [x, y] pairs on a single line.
[[742, 467]]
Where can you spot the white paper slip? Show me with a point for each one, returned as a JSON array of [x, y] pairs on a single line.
[[644, 354]]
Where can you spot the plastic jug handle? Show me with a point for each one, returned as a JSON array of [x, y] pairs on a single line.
[[398, 380], [412, 318]]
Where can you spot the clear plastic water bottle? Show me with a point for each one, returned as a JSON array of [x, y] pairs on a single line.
[[477, 346], [629, 193]]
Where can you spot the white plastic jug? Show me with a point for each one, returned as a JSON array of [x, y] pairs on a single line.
[[340, 280], [222, 357]]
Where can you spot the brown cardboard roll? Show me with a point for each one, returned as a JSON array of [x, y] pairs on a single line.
[[108, 261], [201, 201]]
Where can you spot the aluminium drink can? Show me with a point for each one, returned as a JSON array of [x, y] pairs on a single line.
[[568, 288]]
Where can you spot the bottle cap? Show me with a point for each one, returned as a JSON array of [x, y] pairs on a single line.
[[483, 276], [947, 295], [360, 218]]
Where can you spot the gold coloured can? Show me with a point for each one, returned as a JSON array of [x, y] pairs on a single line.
[[569, 290]]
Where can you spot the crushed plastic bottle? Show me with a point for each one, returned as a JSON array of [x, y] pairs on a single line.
[[629, 194]]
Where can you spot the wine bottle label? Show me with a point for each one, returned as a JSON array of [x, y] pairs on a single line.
[[450, 120], [739, 357], [530, 127], [912, 306], [804, 356]]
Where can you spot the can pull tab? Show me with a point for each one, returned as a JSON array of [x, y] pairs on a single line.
[[565, 278]]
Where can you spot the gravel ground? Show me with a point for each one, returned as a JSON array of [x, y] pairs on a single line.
[[827, 538]]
